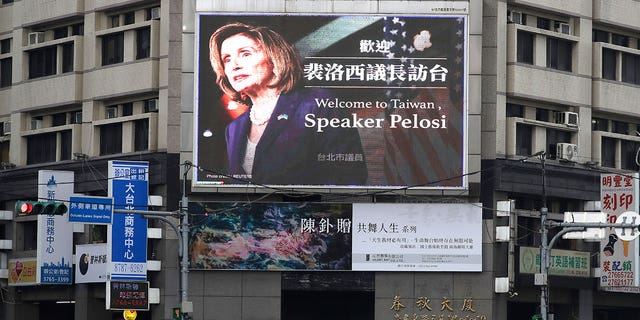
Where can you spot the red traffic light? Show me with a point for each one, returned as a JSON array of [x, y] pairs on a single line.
[[40, 207]]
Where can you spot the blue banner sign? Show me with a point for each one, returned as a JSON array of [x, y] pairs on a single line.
[[129, 187], [95, 210]]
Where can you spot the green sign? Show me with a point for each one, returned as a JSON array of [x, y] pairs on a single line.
[[567, 263]]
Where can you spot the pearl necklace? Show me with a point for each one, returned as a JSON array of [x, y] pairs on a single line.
[[260, 115]]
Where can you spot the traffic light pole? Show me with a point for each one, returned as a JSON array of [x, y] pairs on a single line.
[[182, 233]]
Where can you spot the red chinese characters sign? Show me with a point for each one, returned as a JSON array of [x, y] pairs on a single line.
[[618, 258]]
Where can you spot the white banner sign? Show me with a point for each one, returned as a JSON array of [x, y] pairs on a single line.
[[417, 237], [91, 263]]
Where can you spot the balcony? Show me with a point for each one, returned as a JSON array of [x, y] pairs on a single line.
[[577, 7], [613, 96], [616, 12], [548, 84], [37, 10], [123, 78]]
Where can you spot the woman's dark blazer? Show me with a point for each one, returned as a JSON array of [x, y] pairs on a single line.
[[289, 153]]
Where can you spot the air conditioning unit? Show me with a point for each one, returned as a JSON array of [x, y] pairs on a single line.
[[111, 112], [152, 105], [566, 151], [155, 13], [563, 28], [567, 118], [36, 37], [36, 124], [6, 128], [515, 17]]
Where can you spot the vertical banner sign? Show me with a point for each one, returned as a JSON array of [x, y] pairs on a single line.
[[55, 233], [618, 258], [129, 187]]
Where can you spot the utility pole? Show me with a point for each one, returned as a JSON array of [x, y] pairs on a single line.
[[544, 290], [185, 305]]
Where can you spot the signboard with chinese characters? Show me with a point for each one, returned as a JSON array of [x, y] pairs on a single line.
[[567, 263], [22, 272], [91, 263], [334, 236], [55, 232], [127, 295], [618, 258], [364, 101], [95, 210], [417, 237], [127, 235]]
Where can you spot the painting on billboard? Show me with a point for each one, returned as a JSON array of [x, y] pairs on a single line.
[[270, 236], [327, 100]]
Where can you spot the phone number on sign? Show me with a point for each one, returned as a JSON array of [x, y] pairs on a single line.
[[130, 268]]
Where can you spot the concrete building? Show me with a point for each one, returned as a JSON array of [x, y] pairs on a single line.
[[83, 82]]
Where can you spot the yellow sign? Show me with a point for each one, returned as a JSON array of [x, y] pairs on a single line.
[[22, 272], [129, 314]]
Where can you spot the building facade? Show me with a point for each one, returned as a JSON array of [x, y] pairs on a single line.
[[84, 82]]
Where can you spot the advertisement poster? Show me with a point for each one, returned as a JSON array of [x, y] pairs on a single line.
[[331, 100], [269, 236], [332, 236], [55, 233], [22, 272], [417, 237], [127, 235], [91, 263], [618, 258]]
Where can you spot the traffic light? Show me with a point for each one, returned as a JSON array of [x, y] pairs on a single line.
[[24, 208]]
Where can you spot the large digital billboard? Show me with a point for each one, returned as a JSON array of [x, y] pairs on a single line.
[[331, 100]]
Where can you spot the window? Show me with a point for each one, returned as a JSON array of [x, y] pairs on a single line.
[[4, 151], [608, 152], [60, 33], [115, 21], [77, 29], [543, 23], [619, 40], [5, 46], [542, 114], [65, 144], [41, 148], [600, 36], [141, 135], [5, 72], [619, 127], [67, 57], [598, 124], [76, 117], [112, 48], [30, 235], [559, 54], [608, 64], [523, 139], [525, 47], [42, 62], [554, 137], [111, 138], [630, 68], [628, 154], [58, 119], [515, 110], [143, 43], [127, 109], [129, 18]]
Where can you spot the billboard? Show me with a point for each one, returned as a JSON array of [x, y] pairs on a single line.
[[55, 233], [618, 258], [91, 263], [22, 272], [331, 100], [335, 236], [127, 234]]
